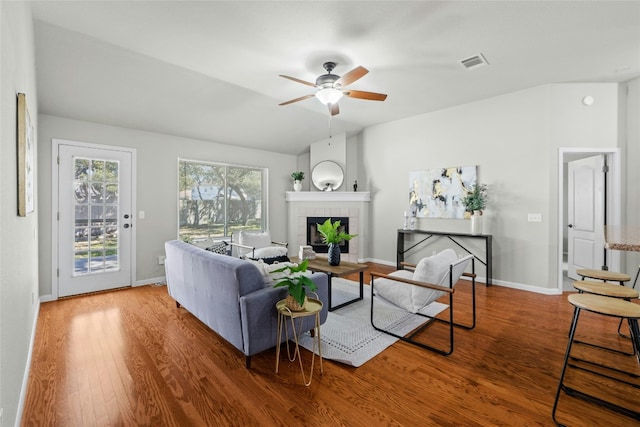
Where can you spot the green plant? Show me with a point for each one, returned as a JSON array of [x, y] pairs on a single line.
[[297, 176], [331, 234], [296, 280], [476, 198]]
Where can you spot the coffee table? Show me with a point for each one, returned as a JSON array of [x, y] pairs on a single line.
[[321, 265]]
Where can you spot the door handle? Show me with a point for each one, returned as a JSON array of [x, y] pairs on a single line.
[[126, 226], [570, 225]]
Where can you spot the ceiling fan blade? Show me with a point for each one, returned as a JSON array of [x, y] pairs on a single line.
[[297, 99], [371, 96], [299, 81], [334, 109], [351, 76]]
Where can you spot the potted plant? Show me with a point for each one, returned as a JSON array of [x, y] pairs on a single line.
[[297, 283], [333, 236], [297, 180], [476, 199], [475, 202]]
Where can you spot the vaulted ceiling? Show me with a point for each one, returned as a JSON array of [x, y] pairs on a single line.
[[209, 69]]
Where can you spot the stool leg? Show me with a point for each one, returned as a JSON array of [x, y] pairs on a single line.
[[635, 281], [572, 332], [634, 330]]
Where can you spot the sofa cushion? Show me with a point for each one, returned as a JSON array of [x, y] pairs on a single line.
[[433, 270]]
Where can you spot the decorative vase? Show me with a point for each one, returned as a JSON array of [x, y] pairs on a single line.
[[334, 254], [476, 223], [297, 185], [293, 305]]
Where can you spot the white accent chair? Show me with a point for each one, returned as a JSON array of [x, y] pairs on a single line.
[[256, 245], [416, 286]]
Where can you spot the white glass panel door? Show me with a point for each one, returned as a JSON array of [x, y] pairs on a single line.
[[95, 220]]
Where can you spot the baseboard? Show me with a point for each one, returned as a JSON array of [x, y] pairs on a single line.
[[27, 369], [162, 280]]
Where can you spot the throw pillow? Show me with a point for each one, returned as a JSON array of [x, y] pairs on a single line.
[[219, 248], [270, 252], [273, 260]]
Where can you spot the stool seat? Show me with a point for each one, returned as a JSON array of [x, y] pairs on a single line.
[[605, 305], [605, 289], [604, 275]]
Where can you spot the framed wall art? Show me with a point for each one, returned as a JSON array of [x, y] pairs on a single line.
[[26, 152], [438, 193]]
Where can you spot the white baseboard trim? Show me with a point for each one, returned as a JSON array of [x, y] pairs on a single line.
[[504, 283], [27, 368], [162, 280]]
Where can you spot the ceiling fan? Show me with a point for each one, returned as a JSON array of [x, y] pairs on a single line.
[[331, 88]]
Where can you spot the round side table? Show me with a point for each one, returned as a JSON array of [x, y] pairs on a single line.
[[312, 307]]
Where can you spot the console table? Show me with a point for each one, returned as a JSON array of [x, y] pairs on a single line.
[[454, 237]]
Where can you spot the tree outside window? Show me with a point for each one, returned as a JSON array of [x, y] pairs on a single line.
[[216, 200]]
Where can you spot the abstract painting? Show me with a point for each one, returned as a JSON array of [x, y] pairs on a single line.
[[438, 193]]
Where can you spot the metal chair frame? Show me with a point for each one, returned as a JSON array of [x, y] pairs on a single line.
[[447, 290]]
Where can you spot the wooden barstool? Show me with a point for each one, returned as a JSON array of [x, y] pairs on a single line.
[[607, 276], [605, 306], [604, 275], [607, 290]]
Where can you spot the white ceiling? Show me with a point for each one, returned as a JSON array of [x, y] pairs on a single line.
[[209, 69]]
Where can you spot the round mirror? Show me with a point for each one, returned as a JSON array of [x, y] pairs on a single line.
[[327, 176]]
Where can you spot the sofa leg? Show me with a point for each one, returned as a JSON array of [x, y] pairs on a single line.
[[247, 362], [177, 304]]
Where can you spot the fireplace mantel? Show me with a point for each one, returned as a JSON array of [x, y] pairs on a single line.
[[328, 196]]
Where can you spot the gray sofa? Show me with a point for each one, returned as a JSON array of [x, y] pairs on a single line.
[[230, 296]]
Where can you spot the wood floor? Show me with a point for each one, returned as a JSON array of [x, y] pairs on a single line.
[[131, 358]]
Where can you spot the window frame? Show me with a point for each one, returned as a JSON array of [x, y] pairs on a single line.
[[263, 189]]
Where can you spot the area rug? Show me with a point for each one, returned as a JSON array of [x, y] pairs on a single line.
[[348, 337]]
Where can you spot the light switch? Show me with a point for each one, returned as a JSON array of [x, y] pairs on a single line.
[[141, 215]]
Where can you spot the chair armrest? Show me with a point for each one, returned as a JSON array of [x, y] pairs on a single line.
[[285, 244], [251, 248], [411, 282], [408, 265]]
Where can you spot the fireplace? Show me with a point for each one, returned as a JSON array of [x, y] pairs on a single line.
[[314, 238]]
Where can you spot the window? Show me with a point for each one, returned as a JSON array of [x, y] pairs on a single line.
[[216, 200]]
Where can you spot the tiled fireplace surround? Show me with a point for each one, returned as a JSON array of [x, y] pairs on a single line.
[[303, 204]]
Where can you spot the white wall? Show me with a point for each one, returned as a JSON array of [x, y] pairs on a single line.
[[514, 140], [157, 184], [631, 97], [18, 245]]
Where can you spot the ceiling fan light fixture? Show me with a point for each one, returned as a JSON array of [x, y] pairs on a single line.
[[329, 96]]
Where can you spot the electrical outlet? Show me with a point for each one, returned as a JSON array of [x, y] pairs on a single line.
[[161, 259], [534, 217]]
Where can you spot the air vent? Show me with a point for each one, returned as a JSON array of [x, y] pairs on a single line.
[[474, 61]]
